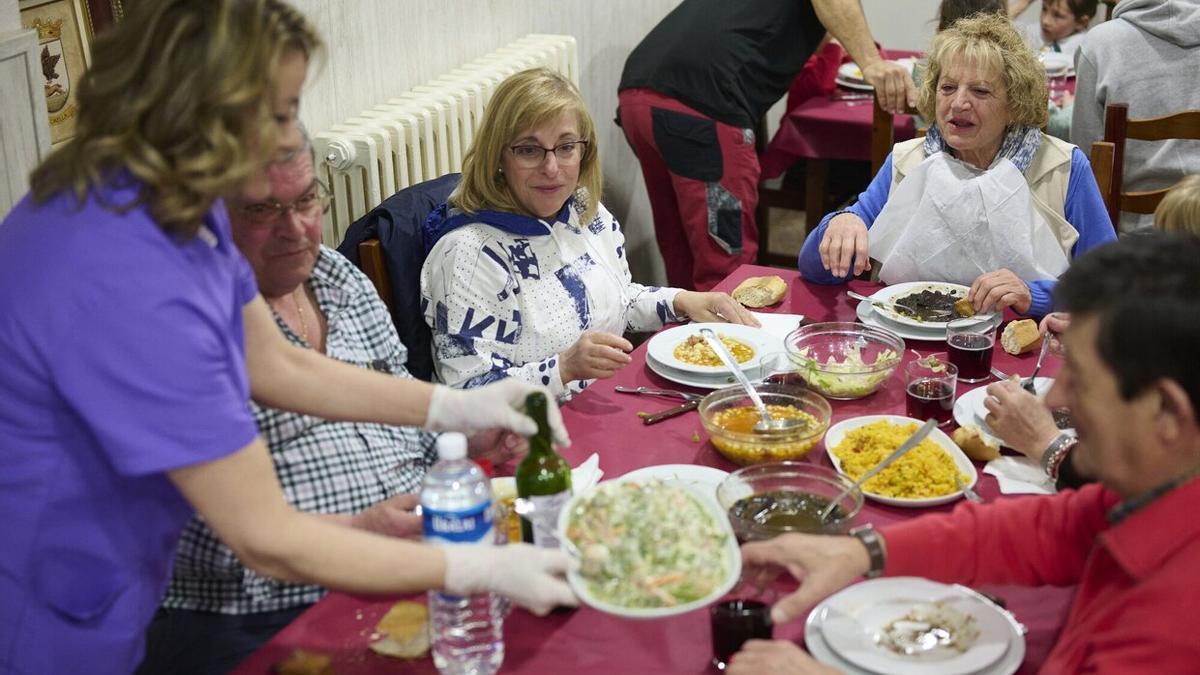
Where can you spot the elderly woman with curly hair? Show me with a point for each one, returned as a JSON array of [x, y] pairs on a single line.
[[985, 199], [527, 275]]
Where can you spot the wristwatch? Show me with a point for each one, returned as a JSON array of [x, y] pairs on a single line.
[[874, 544]]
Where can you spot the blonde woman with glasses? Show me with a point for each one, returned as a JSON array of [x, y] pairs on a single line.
[[133, 337], [527, 276]]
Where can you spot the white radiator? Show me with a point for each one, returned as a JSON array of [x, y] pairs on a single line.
[[423, 133]]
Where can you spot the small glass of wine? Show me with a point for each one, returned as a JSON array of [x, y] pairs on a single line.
[[929, 388], [970, 343], [735, 620], [779, 368]]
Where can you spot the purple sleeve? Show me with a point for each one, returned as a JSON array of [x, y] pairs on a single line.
[[159, 379]]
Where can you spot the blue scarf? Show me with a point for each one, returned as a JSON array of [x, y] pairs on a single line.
[[1020, 142], [445, 219]]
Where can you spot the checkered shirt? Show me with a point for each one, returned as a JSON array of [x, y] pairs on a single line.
[[324, 467]]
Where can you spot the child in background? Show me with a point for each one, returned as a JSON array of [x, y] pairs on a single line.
[[1064, 22], [1179, 210]]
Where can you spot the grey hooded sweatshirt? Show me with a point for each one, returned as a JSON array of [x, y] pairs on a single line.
[[1148, 56]]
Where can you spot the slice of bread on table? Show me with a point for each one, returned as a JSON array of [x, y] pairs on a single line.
[[974, 444], [760, 291], [1020, 337]]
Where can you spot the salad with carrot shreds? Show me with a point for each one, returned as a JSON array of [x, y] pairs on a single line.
[[647, 544]]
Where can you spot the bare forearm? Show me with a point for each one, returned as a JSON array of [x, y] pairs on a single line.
[[304, 381], [346, 559], [844, 19]]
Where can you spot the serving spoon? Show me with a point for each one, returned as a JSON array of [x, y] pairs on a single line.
[[765, 421]]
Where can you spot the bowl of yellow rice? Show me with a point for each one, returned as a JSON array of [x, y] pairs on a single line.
[[924, 476]]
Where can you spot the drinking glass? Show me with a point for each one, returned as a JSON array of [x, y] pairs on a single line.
[[970, 343], [929, 389], [735, 620], [779, 368]]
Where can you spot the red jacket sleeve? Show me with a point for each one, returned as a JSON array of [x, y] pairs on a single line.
[[1031, 541]]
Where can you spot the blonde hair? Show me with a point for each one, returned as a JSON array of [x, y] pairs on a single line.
[[989, 41], [178, 95], [1179, 210], [524, 101]]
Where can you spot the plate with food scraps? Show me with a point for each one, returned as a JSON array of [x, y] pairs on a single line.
[[683, 348], [867, 314], [969, 408], [926, 300], [899, 484], [691, 560], [705, 478], [710, 382], [913, 626]]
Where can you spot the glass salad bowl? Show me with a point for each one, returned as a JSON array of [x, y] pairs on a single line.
[[843, 360]]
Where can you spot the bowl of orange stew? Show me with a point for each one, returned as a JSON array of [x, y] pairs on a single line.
[[729, 417]]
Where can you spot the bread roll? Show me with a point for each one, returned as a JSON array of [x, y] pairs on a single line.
[[760, 291], [972, 442], [1020, 337], [405, 630]]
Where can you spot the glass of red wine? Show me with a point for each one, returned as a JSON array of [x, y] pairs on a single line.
[[929, 388], [734, 621], [970, 343]]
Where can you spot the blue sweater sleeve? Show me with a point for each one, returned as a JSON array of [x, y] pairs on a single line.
[[870, 203], [1084, 210]]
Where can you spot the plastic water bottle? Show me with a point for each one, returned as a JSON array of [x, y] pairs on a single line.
[[456, 505]]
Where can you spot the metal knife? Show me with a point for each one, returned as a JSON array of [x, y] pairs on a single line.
[[670, 412]]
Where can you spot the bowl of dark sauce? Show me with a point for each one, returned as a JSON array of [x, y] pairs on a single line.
[[766, 500]]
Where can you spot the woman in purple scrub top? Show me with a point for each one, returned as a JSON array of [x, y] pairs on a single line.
[[132, 338]]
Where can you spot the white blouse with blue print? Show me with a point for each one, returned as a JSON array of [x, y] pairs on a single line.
[[506, 305]]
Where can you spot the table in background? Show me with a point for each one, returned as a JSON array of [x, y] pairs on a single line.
[[603, 421]]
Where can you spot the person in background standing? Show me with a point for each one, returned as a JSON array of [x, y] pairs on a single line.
[[691, 95]]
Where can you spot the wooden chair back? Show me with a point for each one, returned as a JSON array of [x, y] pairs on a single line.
[[883, 135], [1102, 168], [1118, 128], [373, 264]]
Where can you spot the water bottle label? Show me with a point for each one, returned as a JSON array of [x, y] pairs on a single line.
[[468, 526], [545, 527]]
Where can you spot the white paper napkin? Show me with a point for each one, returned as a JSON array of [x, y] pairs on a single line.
[[587, 474], [778, 325], [1020, 476]]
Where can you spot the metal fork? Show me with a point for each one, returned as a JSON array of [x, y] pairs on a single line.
[[1027, 385], [650, 391]]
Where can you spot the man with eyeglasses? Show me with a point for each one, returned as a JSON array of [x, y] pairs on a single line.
[[216, 611]]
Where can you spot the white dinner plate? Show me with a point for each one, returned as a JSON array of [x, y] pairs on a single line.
[[850, 72], [839, 631], [838, 432], [710, 382], [857, 85], [969, 409], [733, 557], [662, 345], [868, 315], [890, 293], [704, 478]]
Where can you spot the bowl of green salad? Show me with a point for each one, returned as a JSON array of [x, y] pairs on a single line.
[[843, 360], [648, 548]]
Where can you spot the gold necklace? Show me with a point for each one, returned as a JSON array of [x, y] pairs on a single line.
[[300, 313]]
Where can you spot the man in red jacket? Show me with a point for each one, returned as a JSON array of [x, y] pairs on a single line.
[[1131, 544]]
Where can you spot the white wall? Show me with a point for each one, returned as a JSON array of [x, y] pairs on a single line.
[[24, 131], [378, 49]]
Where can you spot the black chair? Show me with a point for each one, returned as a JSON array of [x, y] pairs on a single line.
[[387, 244]]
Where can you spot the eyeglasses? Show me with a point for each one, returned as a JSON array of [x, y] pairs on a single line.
[[307, 205], [532, 156]]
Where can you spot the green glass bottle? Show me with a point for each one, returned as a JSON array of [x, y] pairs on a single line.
[[543, 478]]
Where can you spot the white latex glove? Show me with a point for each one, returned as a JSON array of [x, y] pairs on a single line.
[[532, 577], [499, 404]]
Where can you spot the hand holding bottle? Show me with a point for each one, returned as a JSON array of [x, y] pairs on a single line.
[[495, 405]]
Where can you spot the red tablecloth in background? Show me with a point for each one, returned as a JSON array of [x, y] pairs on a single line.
[[603, 421], [824, 127]]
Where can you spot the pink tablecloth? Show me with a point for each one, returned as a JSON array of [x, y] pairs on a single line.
[[603, 421]]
